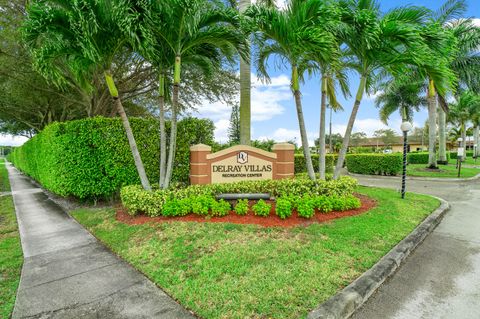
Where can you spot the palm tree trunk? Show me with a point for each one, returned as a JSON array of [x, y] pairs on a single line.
[[321, 141], [126, 124], [245, 91], [476, 139], [163, 134], [432, 125], [330, 142], [173, 129], [346, 139], [301, 123], [464, 142], [442, 140]]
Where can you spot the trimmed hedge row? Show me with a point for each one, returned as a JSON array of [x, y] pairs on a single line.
[[301, 165], [417, 158], [137, 200], [454, 155], [91, 158], [374, 164]]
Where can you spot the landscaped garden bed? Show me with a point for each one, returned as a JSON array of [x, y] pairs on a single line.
[[227, 270], [272, 220]]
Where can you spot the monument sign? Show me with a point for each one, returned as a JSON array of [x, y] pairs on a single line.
[[240, 163]]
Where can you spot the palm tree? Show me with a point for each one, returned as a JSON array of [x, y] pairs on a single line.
[[465, 63], [332, 75], [76, 38], [198, 32], [245, 89], [375, 42], [291, 35], [463, 111], [400, 95], [444, 47]]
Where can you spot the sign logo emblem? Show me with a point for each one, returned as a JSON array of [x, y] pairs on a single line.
[[242, 157]]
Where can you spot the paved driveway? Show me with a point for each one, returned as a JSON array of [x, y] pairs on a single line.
[[441, 279]]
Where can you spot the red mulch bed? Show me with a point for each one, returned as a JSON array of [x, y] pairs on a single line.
[[270, 221]]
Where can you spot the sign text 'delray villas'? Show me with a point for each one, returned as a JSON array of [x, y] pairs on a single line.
[[239, 163]]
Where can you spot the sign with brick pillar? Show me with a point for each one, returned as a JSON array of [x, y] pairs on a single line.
[[240, 163]]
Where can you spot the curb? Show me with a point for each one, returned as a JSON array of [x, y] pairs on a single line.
[[417, 178], [352, 297]]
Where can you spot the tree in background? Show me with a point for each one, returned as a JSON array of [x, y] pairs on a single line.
[[83, 37], [358, 138], [388, 137], [234, 128]]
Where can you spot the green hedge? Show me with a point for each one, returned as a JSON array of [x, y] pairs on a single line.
[[417, 158], [137, 200], [91, 158], [454, 155], [301, 165], [374, 164]]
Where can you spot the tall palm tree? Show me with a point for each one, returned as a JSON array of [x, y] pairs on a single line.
[[198, 31], [78, 37], [463, 111], [333, 75], [292, 35], [375, 42], [245, 89], [444, 48]]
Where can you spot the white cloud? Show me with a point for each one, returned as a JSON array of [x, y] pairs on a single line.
[[280, 3], [476, 22], [265, 104], [373, 96], [10, 140]]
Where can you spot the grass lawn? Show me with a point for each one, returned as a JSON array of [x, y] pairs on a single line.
[[447, 171], [11, 257], [468, 161], [246, 271]]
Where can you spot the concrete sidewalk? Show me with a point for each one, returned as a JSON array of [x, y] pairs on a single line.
[[67, 273], [441, 278]]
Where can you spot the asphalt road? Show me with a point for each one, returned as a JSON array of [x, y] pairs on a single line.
[[441, 278]]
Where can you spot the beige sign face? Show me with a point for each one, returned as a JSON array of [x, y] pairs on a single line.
[[241, 166]]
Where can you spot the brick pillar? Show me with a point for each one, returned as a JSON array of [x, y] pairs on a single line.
[[199, 168], [285, 165]]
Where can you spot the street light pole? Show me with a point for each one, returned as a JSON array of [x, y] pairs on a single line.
[[405, 127]]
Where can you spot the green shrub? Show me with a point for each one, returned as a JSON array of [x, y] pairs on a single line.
[[138, 200], [283, 207], [241, 208], [324, 204], [374, 164], [91, 158], [176, 207], [202, 204], [454, 155], [261, 208], [301, 166], [306, 207], [361, 150], [417, 158], [221, 208]]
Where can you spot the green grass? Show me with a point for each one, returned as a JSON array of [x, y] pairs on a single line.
[[468, 161], [446, 171], [11, 258], [246, 271]]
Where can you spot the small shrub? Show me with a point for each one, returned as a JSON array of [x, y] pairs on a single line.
[[323, 204], [417, 158], [221, 208], [261, 208], [202, 204], [241, 208], [306, 207], [283, 208], [353, 202], [176, 207]]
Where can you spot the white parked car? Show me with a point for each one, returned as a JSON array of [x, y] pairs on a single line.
[[387, 151]]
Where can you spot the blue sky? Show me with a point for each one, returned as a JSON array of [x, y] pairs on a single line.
[[273, 107]]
